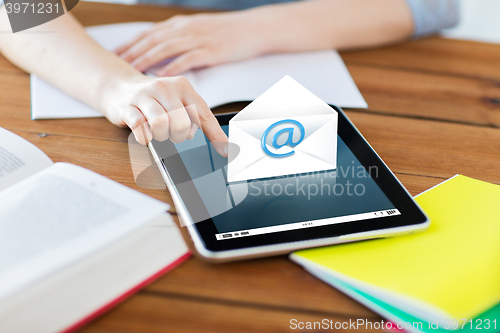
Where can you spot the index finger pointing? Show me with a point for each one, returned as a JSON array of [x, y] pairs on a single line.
[[207, 121], [210, 126]]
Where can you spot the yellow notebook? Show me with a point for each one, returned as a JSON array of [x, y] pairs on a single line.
[[451, 271]]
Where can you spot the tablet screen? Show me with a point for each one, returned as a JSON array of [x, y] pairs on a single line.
[[290, 202]]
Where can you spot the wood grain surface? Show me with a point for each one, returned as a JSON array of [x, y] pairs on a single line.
[[434, 112]]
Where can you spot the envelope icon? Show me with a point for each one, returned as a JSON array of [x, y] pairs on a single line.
[[285, 131]]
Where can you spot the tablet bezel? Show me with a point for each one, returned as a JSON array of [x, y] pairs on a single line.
[[411, 218]]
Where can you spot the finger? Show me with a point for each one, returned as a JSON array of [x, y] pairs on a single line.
[[193, 59], [136, 121], [180, 124], [192, 131], [204, 118], [183, 88], [195, 119], [171, 24], [124, 47], [156, 116], [154, 28], [191, 109], [147, 42], [210, 126], [164, 50], [179, 121], [139, 48]]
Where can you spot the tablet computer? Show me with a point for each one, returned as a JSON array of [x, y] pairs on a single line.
[[360, 199]]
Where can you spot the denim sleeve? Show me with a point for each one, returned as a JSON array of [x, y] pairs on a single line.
[[430, 16]]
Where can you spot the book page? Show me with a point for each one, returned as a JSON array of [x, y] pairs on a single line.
[[61, 215], [97, 281], [19, 159]]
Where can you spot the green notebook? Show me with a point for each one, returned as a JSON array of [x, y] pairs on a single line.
[[488, 321], [440, 277]]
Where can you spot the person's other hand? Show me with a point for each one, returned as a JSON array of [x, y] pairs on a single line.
[[195, 41], [162, 108]]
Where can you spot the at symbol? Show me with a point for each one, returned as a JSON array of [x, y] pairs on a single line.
[[288, 142]]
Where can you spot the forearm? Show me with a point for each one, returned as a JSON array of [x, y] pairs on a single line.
[[62, 53], [332, 24]]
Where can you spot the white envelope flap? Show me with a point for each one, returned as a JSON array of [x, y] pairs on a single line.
[[286, 98], [322, 144]]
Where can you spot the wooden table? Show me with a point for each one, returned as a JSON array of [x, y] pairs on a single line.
[[434, 112]]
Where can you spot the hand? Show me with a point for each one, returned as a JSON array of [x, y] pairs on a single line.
[[196, 41], [162, 108]]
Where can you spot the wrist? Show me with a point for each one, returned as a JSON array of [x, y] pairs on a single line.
[[114, 92]]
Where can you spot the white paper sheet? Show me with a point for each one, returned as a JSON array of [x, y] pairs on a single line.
[[323, 73]]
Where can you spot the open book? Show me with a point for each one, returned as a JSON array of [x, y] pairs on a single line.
[[322, 72], [72, 242]]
